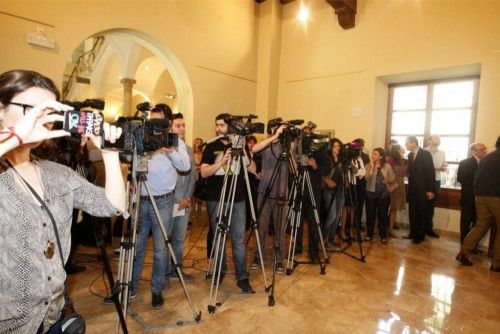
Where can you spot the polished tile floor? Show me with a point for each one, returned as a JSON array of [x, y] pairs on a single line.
[[401, 288]]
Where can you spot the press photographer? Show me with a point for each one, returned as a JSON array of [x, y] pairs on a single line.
[[36, 204], [162, 170]]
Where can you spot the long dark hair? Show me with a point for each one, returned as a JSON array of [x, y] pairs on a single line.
[[17, 81], [395, 155], [332, 143]]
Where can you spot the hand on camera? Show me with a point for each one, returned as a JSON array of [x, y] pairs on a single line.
[[111, 134], [226, 157], [330, 183], [31, 127], [280, 130], [429, 195]]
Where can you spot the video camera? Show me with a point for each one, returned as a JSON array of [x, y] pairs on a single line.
[[350, 152], [146, 135], [238, 125]]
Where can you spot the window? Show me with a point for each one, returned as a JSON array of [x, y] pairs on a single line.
[[444, 107]]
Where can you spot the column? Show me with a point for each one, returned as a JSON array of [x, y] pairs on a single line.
[[127, 95]]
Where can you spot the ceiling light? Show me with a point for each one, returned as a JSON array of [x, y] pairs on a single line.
[[303, 14]]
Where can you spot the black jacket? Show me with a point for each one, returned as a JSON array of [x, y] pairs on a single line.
[[421, 172], [465, 175], [487, 179]]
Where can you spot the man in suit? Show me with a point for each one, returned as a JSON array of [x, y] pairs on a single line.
[[421, 189], [465, 175]]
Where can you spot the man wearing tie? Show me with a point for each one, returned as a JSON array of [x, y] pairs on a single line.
[[421, 189], [465, 175]]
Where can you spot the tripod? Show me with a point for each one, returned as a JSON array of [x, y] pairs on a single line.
[[128, 242], [349, 179], [300, 182], [278, 199], [224, 216]]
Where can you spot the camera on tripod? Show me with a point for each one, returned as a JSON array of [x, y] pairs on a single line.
[[313, 142], [144, 134], [238, 125]]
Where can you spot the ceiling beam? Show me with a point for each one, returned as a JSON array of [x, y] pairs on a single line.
[[346, 12]]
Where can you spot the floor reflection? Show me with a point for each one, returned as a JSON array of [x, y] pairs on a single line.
[[399, 281], [442, 289]]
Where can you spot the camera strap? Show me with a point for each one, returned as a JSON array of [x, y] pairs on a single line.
[[44, 207]]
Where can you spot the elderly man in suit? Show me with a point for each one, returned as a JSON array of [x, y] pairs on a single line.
[[421, 189], [465, 175]]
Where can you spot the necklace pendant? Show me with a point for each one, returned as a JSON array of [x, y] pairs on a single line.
[[49, 250]]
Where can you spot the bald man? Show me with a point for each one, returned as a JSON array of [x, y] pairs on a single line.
[[465, 175]]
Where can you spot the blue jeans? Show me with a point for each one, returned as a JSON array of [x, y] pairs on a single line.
[[333, 219], [237, 229], [179, 229], [148, 222]]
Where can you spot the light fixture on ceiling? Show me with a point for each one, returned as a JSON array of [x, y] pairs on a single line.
[[40, 39], [303, 14], [170, 96]]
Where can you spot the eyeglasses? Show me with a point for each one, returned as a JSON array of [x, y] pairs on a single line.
[[26, 107]]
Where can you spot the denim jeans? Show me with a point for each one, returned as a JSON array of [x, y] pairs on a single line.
[[179, 229], [148, 222], [379, 208], [274, 210], [237, 230], [334, 211]]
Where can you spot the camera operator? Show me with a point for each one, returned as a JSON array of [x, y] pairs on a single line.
[[274, 195], [317, 166], [162, 177], [215, 162], [183, 191], [360, 185], [37, 201]]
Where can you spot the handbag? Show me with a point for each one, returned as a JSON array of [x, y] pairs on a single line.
[[201, 189], [71, 322]]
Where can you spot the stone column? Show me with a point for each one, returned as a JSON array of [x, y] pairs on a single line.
[[127, 95]]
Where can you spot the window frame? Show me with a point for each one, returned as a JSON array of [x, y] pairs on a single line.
[[449, 197]]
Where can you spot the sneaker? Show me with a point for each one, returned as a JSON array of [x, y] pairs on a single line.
[[133, 295], [157, 300], [279, 268], [256, 264], [245, 286], [108, 300], [186, 277]]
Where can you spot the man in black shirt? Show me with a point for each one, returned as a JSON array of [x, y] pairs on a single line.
[[487, 191], [215, 163]]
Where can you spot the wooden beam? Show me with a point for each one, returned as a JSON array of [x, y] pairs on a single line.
[[346, 12]]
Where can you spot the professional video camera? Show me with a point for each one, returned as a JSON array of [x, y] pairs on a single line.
[[238, 125], [147, 135]]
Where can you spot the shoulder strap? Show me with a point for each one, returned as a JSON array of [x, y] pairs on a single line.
[[45, 207]]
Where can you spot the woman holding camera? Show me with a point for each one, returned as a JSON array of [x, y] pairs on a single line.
[[37, 202]]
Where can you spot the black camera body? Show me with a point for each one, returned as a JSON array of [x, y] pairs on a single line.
[[238, 125], [143, 134], [314, 142]]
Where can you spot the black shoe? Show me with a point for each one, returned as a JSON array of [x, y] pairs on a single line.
[[72, 268], [157, 300], [108, 300], [279, 268], [255, 264], [408, 236], [314, 259], [418, 241], [463, 259], [298, 251], [495, 268], [433, 234], [245, 286]]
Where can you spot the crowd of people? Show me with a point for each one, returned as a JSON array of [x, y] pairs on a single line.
[[38, 198]]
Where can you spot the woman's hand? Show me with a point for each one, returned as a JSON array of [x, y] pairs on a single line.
[[111, 134], [31, 128]]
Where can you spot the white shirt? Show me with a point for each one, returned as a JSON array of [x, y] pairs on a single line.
[[439, 160]]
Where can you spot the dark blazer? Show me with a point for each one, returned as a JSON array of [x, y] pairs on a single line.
[[421, 172], [465, 175]]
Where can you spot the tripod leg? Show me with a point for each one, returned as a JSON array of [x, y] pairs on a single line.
[[114, 287], [197, 315]]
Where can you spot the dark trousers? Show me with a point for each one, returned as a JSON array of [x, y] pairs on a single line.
[[432, 204], [467, 219], [377, 207], [360, 189], [308, 216], [419, 208]]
